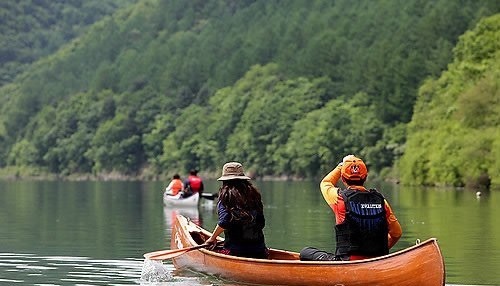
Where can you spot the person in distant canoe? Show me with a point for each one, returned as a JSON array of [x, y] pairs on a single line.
[[193, 184], [365, 223], [241, 215], [175, 186]]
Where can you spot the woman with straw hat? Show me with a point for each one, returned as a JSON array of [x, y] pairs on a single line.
[[241, 215]]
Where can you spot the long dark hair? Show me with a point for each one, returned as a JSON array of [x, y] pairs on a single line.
[[240, 198]]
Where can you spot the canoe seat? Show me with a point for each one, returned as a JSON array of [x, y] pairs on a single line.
[[198, 236]]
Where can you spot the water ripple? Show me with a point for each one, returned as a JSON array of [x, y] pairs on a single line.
[[30, 269]]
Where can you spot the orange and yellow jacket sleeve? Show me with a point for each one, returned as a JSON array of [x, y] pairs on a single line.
[[395, 230], [328, 188]]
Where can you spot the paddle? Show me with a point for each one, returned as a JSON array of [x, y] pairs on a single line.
[[168, 254]]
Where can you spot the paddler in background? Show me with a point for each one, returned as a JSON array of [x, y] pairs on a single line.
[[175, 186]]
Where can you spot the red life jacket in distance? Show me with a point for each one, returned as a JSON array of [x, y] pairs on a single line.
[[195, 183]]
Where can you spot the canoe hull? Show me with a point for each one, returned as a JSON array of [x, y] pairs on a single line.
[[191, 201], [418, 265]]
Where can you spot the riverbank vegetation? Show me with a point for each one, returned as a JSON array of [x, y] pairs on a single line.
[[287, 87], [454, 136]]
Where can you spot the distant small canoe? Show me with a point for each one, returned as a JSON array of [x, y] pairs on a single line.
[[177, 200], [418, 265]]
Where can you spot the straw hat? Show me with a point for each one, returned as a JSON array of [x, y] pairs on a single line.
[[232, 171]]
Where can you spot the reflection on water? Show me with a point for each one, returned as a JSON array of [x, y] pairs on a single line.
[[31, 269], [189, 212], [195, 213]]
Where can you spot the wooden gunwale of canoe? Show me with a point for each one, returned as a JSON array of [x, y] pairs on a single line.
[[420, 264]]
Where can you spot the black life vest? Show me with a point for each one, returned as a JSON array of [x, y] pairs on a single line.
[[364, 230], [246, 236]]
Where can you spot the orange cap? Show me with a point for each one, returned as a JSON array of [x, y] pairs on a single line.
[[354, 169]]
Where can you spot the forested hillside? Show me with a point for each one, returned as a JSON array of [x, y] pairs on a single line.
[[30, 29], [286, 87], [454, 137]]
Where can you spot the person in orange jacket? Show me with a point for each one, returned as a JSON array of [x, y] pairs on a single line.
[[175, 186], [365, 223]]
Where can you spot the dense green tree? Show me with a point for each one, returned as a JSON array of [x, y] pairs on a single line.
[[453, 138], [116, 147], [285, 86], [324, 136], [22, 153], [30, 30], [268, 118]]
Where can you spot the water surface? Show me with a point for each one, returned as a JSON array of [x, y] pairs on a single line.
[[94, 233]]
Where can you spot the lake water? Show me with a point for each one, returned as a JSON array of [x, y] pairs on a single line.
[[95, 233]]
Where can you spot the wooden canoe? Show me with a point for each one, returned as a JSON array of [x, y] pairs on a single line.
[[418, 265]]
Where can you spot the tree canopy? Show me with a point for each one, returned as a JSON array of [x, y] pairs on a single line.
[[30, 29], [454, 137], [287, 87]]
